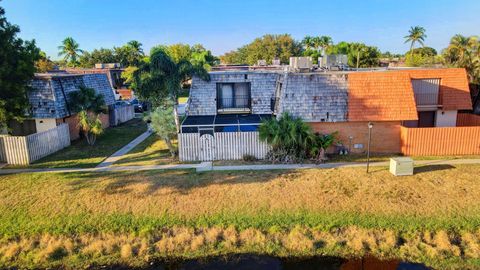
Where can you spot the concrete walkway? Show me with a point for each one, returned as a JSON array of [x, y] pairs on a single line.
[[119, 154], [242, 167]]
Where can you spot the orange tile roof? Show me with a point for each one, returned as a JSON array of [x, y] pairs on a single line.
[[380, 96], [454, 90]]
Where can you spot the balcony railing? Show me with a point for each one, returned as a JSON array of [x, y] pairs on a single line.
[[238, 103], [426, 99]]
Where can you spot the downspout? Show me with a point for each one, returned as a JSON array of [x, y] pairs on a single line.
[[64, 97]]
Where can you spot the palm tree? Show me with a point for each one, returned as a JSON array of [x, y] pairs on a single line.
[[161, 78], [70, 50], [415, 34], [137, 46], [464, 52], [308, 42], [324, 42]]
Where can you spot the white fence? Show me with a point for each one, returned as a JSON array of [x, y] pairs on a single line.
[[220, 146], [23, 150], [121, 114]]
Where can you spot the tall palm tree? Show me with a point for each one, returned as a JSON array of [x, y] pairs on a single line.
[[415, 34], [70, 50], [137, 46]]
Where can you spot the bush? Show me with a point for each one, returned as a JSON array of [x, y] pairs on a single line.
[[249, 158], [293, 140]]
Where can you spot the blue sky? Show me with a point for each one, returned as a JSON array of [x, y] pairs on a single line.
[[226, 25]]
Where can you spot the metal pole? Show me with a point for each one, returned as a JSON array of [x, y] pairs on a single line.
[[368, 147]]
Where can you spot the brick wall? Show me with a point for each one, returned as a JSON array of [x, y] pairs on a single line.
[[73, 127], [385, 135]]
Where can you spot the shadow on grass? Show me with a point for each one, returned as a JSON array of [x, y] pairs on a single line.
[[432, 168], [81, 155], [178, 181]]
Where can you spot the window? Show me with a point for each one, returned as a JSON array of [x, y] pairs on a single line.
[[233, 96]]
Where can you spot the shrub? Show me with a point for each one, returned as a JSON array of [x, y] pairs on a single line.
[[293, 140], [249, 158]]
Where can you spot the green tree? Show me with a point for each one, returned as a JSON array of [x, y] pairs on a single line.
[[268, 47], [415, 35], [130, 54], [97, 56], [88, 105], [357, 53], [464, 52], [163, 123], [70, 50], [17, 58], [44, 64]]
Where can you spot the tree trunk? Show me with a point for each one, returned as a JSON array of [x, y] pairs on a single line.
[[170, 148], [177, 118]]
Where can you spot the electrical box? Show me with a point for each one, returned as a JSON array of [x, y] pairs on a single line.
[[401, 166]]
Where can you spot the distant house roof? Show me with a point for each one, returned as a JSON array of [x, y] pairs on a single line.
[[454, 90], [380, 96], [50, 92]]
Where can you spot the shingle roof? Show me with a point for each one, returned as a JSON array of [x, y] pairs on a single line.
[[454, 90], [380, 96]]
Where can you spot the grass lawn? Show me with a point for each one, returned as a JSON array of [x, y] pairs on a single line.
[[81, 155], [152, 151], [80, 219]]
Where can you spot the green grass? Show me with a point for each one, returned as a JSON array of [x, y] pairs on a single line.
[[77, 219], [152, 151], [82, 155]]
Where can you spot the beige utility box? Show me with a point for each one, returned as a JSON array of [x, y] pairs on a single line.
[[400, 166]]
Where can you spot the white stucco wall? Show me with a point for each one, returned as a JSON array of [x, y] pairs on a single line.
[[44, 124], [446, 118]]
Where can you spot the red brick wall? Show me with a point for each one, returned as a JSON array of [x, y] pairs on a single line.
[[385, 135], [72, 122]]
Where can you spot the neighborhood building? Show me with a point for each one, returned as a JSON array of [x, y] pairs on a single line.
[[51, 123], [396, 101]]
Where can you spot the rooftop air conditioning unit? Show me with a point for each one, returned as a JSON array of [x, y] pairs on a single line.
[[262, 62], [334, 60], [276, 62], [301, 63]]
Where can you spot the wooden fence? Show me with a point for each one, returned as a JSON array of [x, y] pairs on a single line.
[[121, 114], [439, 141], [468, 120], [220, 146], [23, 150]]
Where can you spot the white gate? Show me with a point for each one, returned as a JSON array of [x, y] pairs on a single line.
[[207, 147]]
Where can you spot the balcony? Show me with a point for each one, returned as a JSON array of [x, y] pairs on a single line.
[[426, 99], [237, 104]]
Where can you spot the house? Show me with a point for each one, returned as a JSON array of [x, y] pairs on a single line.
[[113, 71], [330, 101], [49, 97]]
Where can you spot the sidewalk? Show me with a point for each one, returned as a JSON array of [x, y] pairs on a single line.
[[242, 167], [124, 150]]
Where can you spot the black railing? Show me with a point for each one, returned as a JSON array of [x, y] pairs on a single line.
[[238, 102]]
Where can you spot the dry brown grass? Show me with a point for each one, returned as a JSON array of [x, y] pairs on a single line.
[[430, 192], [301, 241]]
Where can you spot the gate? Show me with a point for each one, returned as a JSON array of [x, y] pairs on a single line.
[[207, 147]]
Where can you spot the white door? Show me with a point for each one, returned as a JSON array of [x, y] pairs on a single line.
[[207, 147]]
